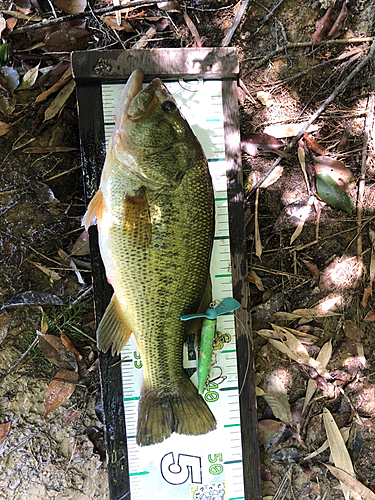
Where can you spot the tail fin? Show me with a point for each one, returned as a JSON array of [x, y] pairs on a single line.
[[181, 410]]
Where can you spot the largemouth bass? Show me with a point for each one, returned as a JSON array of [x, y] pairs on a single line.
[[155, 216]]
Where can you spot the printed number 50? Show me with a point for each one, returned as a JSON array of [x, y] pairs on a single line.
[[178, 473]]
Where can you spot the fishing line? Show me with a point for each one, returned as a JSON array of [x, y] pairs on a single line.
[[248, 355]]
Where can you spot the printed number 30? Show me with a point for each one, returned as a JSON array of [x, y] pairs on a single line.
[[178, 473]]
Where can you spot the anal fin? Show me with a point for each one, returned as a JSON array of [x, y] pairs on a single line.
[[113, 329]]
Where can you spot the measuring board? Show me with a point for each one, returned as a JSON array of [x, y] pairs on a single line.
[[213, 465]]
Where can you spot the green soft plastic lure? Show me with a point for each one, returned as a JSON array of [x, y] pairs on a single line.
[[227, 306]]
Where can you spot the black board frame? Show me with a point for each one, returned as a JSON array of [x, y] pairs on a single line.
[[90, 69]]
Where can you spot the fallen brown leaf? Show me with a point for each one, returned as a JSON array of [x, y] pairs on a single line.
[[4, 326], [322, 25], [70, 346], [71, 6], [59, 390], [4, 431], [341, 18], [5, 128], [70, 416], [340, 454], [335, 169], [55, 351], [370, 316], [351, 483]]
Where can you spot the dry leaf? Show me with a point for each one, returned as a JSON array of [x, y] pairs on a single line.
[[341, 18], [94, 367], [5, 128], [69, 345], [323, 358], [322, 25], [345, 435], [170, 6], [302, 214], [3, 24], [67, 40], [124, 25], [49, 272], [355, 486], [71, 6], [312, 144], [273, 177], [4, 431], [313, 268], [4, 326], [43, 324], [254, 278], [293, 348], [289, 130], [81, 245], [340, 454], [11, 23], [370, 316], [277, 397], [265, 98], [143, 41], [368, 290], [33, 298], [56, 353], [59, 101], [53, 89], [70, 416], [353, 331], [59, 390], [258, 242], [267, 429], [29, 78]]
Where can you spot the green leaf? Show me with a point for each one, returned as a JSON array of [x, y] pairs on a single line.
[[3, 52], [331, 193]]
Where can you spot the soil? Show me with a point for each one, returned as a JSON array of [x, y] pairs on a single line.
[[56, 458]]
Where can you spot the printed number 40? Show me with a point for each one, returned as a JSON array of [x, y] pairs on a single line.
[[216, 468]]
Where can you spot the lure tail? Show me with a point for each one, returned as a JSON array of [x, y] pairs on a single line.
[[181, 410]]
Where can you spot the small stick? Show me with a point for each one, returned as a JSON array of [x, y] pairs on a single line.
[[317, 113], [228, 37], [80, 15], [295, 45], [365, 158], [11, 368], [264, 20]]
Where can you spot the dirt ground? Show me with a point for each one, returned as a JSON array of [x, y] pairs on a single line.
[[324, 271]]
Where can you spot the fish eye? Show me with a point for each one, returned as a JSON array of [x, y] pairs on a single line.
[[169, 106]]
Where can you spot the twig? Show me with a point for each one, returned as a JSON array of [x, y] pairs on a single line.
[[317, 113], [368, 136], [355, 53], [11, 368], [295, 45], [80, 15], [228, 37], [264, 20]]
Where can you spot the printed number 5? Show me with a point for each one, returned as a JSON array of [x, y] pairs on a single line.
[[178, 473]]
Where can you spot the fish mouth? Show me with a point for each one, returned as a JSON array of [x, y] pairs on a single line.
[[132, 88]]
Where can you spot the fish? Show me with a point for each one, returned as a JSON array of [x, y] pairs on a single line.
[[155, 215]]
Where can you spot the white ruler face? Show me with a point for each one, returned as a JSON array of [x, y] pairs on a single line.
[[207, 467]]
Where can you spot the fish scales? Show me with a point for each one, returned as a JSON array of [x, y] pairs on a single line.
[[155, 214]]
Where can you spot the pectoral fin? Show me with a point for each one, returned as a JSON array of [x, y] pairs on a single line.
[[95, 208], [113, 329]]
